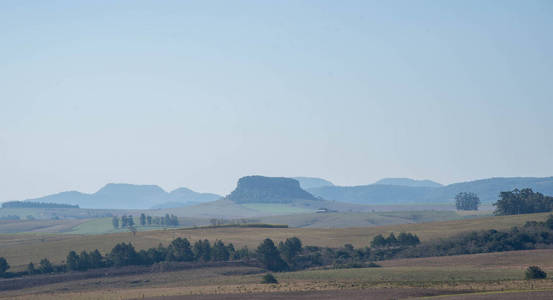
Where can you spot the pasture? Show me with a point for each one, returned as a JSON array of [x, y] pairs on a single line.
[[459, 274], [20, 249]]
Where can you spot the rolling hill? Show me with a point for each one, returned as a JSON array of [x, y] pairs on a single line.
[[403, 191], [129, 196], [408, 182], [312, 182]]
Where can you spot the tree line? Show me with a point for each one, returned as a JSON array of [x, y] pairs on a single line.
[[145, 220], [28, 204], [523, 201]]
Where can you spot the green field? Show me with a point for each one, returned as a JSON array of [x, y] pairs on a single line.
[[276, 209]]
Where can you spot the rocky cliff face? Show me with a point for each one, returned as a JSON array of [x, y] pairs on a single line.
[[260, 189]]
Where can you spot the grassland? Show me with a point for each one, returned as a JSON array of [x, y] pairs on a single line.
[[461, 274], [20, 249], [281, 214]]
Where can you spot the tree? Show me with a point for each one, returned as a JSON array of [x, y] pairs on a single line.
[[123, 221], [408, 239], [123, 255], [115, 222], [202, 250], [130, 221], [72, 261], [84, 261], [95, 259], [4, 266], [467, 201], [45, 266], [31, 268], [149, 220], [523, 201], [290, 249], [379, 241], [179, 250], [220, 252], [269, 279], [269, 256], [534, 272], [142, 219]]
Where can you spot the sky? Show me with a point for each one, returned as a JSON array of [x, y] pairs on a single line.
[[200, 93]]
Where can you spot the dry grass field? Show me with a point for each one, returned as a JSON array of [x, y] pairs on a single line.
[[20, 249], [395, 280]]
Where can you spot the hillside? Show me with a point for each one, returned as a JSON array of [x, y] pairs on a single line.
[[487, 189], [261, 189], [408, 182], [129, 196], [312, 182]]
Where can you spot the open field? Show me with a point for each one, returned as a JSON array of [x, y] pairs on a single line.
[[46, 226], [282, 214], [20, 249], [419, 278]]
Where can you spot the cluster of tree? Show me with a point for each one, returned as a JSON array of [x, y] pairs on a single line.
[[28, 204], [44, 267], [145, 220], [403, 240], [85, 260], [4, 266], [530, 236], [523, 201], [467, 201]]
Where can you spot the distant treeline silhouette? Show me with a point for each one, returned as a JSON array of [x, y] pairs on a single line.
[[27, 204]]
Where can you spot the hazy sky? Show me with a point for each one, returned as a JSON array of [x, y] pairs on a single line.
[[198, 94]]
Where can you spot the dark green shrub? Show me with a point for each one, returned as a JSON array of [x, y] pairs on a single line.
[[534, 272], [269, 279]]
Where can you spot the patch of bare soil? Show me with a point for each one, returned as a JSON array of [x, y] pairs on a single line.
[[358, 294]]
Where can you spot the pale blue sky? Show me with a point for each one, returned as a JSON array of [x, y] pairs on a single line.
[[198, 94]]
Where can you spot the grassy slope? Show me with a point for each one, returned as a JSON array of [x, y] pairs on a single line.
[[20, 249], [502, 271]]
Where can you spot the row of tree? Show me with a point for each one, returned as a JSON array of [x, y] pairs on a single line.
[[145, 220], [403, 240], [29, 204]]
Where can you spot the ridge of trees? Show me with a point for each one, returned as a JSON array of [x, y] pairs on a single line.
[[28, 204], [467, 201], [145, 220]]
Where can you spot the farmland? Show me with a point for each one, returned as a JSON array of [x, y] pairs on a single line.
[[410, 277], [20, 249]]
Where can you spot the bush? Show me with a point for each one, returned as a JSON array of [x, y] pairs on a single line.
[[269, 278], [534, 272], [4, 266]]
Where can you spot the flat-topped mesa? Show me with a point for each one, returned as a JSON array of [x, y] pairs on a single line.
[[260, 189]]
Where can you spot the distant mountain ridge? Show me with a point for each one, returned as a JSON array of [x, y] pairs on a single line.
[[312, 182], [487, 189], [408, 182], [129, 196]]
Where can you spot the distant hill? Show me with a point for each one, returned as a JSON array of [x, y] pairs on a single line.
[[129, 196], [260, 189], [408, 182], [312, 182], [487, 189], [186, 197]]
